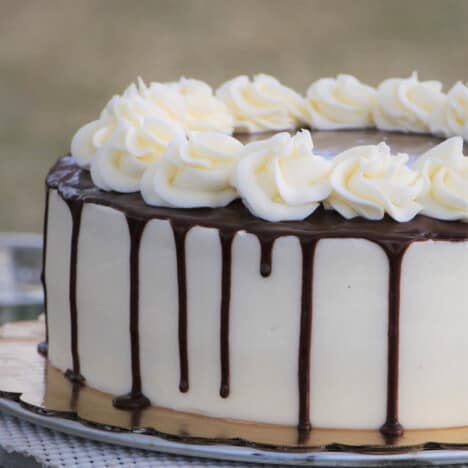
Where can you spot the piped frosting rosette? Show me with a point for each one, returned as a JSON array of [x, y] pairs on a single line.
[[407, 104], [340, 103], [194, 172], [450, 118], [130, 109], [280, 178], [262, 104], [369, 181], [444, 170]]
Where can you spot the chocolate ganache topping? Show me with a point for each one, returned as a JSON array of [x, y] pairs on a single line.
[[75, 186]]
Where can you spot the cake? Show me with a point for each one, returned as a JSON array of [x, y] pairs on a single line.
[[258, 255]]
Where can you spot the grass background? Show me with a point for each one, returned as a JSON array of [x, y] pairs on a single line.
[[60, 61]]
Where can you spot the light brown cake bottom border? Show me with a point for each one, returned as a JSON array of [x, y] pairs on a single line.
[[28, 378]]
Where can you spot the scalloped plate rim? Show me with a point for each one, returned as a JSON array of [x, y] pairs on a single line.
[[233, 453]]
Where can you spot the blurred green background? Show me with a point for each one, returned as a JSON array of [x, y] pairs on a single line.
[[60, 61]]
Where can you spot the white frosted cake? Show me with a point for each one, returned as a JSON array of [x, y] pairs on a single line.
[[257, 255]]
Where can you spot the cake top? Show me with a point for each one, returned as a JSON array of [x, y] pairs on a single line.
[[182, 146]]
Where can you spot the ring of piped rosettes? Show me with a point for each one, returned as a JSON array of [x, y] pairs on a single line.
[[173, 142]]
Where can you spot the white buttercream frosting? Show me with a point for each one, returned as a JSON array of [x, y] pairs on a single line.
[[88, 139], [120, 164], [194, 172], [444, 169], [407, 104], [130, 108], [262, 104], [369, 181], [204, 112], [451, 116], [166, 98], [281, 179], [191, 103], [343, 102]]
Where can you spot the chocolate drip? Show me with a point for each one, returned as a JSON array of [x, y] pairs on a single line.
[[180, 234], [43, 347], [226, 255], [135, 399], [308, 253], [135, 418], [75, 395], [74, 374], [266, 248], [395, 252]]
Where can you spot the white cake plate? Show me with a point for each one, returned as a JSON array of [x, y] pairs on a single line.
[[233, 453]]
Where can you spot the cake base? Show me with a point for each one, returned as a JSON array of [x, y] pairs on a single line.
[[28, 378]]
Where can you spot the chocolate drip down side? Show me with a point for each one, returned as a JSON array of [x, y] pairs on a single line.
[[75, 396], [226, 239], [76, 209], [135, 399], [395, 252], [43, 347], [180, 234], [266, 251], [308, 254]]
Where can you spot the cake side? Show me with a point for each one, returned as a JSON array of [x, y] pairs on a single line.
[[217, 360]]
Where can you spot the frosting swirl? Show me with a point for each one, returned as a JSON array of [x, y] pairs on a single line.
[[88, 139], [168, 101], [262, 104], [129, 109], [444, 169], [368, 181], [281, 179], [119, 165], [191, 103], [451, 117], [406, 104], [343, 102], [193, 173]]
